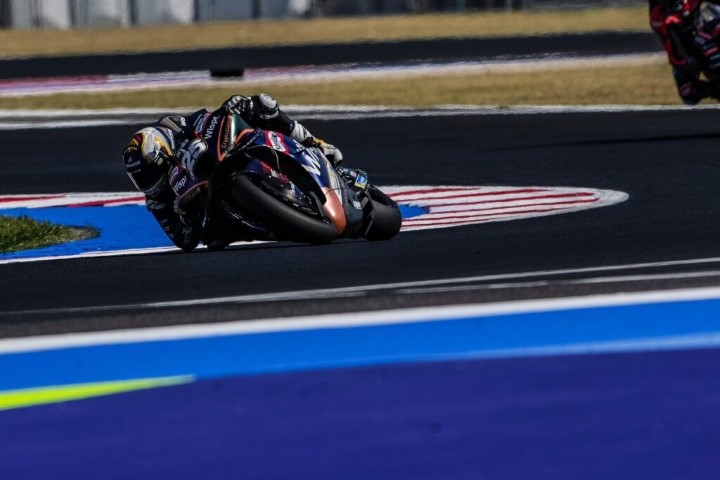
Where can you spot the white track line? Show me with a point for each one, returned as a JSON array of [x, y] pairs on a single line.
[[16, 119], [578, 281], [364, 289], [379, 110], [348, 320]]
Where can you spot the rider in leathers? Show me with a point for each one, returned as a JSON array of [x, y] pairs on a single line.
[[193, 142], [674, 23]]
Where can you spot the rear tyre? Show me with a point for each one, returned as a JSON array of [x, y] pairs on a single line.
[[278, 217], [385, 218]]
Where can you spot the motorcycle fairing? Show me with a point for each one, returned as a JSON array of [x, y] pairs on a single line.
[[312, 162]]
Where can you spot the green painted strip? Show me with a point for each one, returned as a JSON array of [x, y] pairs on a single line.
[[31, 397]]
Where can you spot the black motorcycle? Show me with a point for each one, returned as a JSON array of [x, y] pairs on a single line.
[[267, 186]]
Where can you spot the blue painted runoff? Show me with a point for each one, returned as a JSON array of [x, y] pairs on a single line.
[[121, 228], [476, 337]]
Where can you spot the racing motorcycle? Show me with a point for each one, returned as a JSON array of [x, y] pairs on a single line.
[[267, 186], [707, 42]]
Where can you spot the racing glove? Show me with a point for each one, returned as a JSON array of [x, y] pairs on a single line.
[[239, 105], [261, 111], [257, 108]]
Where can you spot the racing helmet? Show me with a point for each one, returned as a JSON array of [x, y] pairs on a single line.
[[147, 158]]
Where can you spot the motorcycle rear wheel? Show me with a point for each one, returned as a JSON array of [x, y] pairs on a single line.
[[386, 219], [278, 217]]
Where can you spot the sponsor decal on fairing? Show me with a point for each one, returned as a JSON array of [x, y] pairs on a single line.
[[276, 142], [211, 128]]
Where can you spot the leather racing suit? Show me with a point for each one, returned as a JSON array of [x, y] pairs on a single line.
[[674, 22]]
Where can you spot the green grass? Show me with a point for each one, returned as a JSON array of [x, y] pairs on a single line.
[[23, 233], [648, 84]]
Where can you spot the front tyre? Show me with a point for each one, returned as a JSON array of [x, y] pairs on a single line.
[[278, 217]]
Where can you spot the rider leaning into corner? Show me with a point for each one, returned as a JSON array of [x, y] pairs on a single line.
[[189, 141], [674, 21]]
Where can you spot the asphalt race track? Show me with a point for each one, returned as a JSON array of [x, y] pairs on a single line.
[[635, 413], [234, 60], [665, 161]]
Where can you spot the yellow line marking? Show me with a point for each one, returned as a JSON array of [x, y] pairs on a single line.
[[30, 397]]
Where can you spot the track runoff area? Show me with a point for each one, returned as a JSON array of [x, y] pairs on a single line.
[[54, 383]]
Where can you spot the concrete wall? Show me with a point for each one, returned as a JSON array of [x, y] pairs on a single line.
[[155, 12], [246, 9], [285, 8], [224, 9], [101, 13], [40, 13]]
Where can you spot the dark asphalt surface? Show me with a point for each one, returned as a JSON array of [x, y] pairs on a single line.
[[665, 161], [231, 61], [634, 415]]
